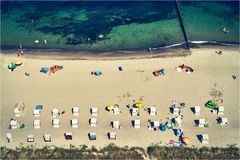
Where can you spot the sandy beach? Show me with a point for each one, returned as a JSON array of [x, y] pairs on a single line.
[[75, 86]]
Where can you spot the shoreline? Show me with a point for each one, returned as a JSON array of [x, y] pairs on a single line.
[[174, 51]]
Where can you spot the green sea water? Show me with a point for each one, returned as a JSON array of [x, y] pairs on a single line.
[[105, 26]]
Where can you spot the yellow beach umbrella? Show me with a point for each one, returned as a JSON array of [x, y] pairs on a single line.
[[18, 63], [110, 107], [138, 105]]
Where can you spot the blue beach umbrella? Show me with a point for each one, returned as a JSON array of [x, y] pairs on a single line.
[[97, 73]]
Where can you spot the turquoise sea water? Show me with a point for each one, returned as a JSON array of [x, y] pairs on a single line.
[[105, 26]]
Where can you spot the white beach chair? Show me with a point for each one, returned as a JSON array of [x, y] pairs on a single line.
[[68, 135], [135, 111], [204, 138], [94, 111], [93, 122], [196, 110], [47, 137], [36, 113], [153, 111], [201, 122], [55, 113], [30, 138], [92, 136], [112, 135], [136, 123], [75, 111], [116, 110], [178, 121], [17, 112], [223, 121], [220, 110], [56, 123], [37, 124], [13, 124], [74, 123], [156, 124], [9, 137], [116, 124], [176, 111]]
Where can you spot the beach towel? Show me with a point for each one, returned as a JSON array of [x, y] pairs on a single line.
[[39, 107]]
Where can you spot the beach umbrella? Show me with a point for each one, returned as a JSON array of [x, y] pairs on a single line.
[[211, 105], [12, 66], [162, 127], [138, 105], [18, 63], [97, 73], [186, 140], [110, 107], [156, 73]]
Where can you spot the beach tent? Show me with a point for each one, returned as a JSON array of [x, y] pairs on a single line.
[[44, 70], [37, 124], [196, 110], [74, 123], [30, 138], [186, 68], [97, 73], [17, 112], [138, 105], [162, 127], [112, 135], [135, 111], [9, 137], [186, 140], [75, 111], [13, 124], [211, 105], [36, 113], [12, 66], [220, 110], [94, 111], [120, 69], [116, 110], [92, 136], [204, 138], [115, 124], [201, 122], [55, 68], [93, 122], [68, 135], [153, 111], [39, 107], [136, 123], [47, 137], [56, 123]]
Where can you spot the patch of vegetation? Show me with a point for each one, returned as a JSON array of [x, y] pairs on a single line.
[[114, 152], [193, 153]]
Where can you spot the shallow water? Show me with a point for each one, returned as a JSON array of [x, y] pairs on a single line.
[[105, 26]]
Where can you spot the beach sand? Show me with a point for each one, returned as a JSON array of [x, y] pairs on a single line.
[[75, 86]]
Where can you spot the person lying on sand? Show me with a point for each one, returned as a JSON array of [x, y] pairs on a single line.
[[219, 52]]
